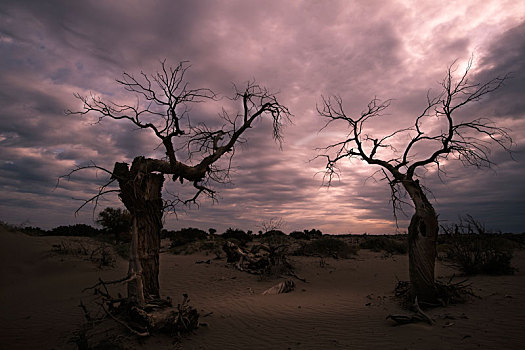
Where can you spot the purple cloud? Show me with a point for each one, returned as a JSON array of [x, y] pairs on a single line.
[[358, 50]]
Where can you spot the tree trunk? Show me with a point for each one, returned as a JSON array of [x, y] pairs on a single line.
[[422, 238], [140, 191]]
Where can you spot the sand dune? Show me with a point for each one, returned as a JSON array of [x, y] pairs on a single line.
[[343, 305]]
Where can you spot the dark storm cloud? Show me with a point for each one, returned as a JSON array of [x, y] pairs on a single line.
[[304, 49], [507, 57]]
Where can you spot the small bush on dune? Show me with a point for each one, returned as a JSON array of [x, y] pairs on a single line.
[[298, 235], [382, 243], [237, 235], [327, 246], [185, 236], [306, 234], [273, 233], [274, 239], [480, 254], [475, 250]]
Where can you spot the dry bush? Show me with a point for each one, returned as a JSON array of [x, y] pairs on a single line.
[[382, 243], [185, 236], [100, 254], [480, 254], [326, 247], [474, 250]]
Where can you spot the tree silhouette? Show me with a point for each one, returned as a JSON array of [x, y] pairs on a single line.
[[163, 106], [437, 132]]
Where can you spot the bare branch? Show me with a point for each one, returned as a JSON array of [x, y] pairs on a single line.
[[469, 141]]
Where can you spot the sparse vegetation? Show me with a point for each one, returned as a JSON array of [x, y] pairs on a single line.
[[185, 236], [306, 234], [480, 254], [326, 247], [238, 235], [382, 243], [475, 250], [100, 254]]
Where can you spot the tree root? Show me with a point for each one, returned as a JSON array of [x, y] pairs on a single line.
[[283, 287], [446, 293], [419, 316], [156, 316]]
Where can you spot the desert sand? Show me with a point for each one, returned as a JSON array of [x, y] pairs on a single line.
[[343, 304]]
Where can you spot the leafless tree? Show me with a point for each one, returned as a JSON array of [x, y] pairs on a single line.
[[163, 105], [271, 224], [469, 141]]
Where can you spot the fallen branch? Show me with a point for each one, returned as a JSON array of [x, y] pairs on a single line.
[[100, 282], [260, 260], [128, 327]]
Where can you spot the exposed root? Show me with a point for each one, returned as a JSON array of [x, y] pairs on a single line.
[[283, 287], [156, 316], [419, 316], [446, 293]]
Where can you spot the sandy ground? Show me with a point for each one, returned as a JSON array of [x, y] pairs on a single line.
[[343, 305]]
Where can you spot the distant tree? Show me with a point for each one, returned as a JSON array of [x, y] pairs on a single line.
[[116, 221], [272, 224], [162, 106], [439, 129]]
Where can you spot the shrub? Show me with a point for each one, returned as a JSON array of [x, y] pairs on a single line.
[[313, 233], [273, 233], [74, 230], [34, 231], [327, 246], [306, 234], [480, 254], [382, 243], [298, 235], [186, 235], [238, 235], [475, 250]]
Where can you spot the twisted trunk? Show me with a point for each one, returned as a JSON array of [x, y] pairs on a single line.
[[422, 237], [140, 191]]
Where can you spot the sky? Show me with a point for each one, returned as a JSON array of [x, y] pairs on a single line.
[[301, 50]]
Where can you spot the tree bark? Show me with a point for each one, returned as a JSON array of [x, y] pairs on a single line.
[[140, 191], [422, 238]]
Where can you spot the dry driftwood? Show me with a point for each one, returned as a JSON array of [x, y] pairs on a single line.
[[283, 287], [261, 259]]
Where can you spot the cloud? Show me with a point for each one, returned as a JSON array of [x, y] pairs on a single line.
[[301, 49]]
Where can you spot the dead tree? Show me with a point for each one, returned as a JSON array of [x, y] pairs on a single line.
[[438, 134], [163, 105]]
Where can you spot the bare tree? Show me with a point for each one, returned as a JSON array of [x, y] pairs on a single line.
[[271, 224], [163, 105], [468, 141]]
